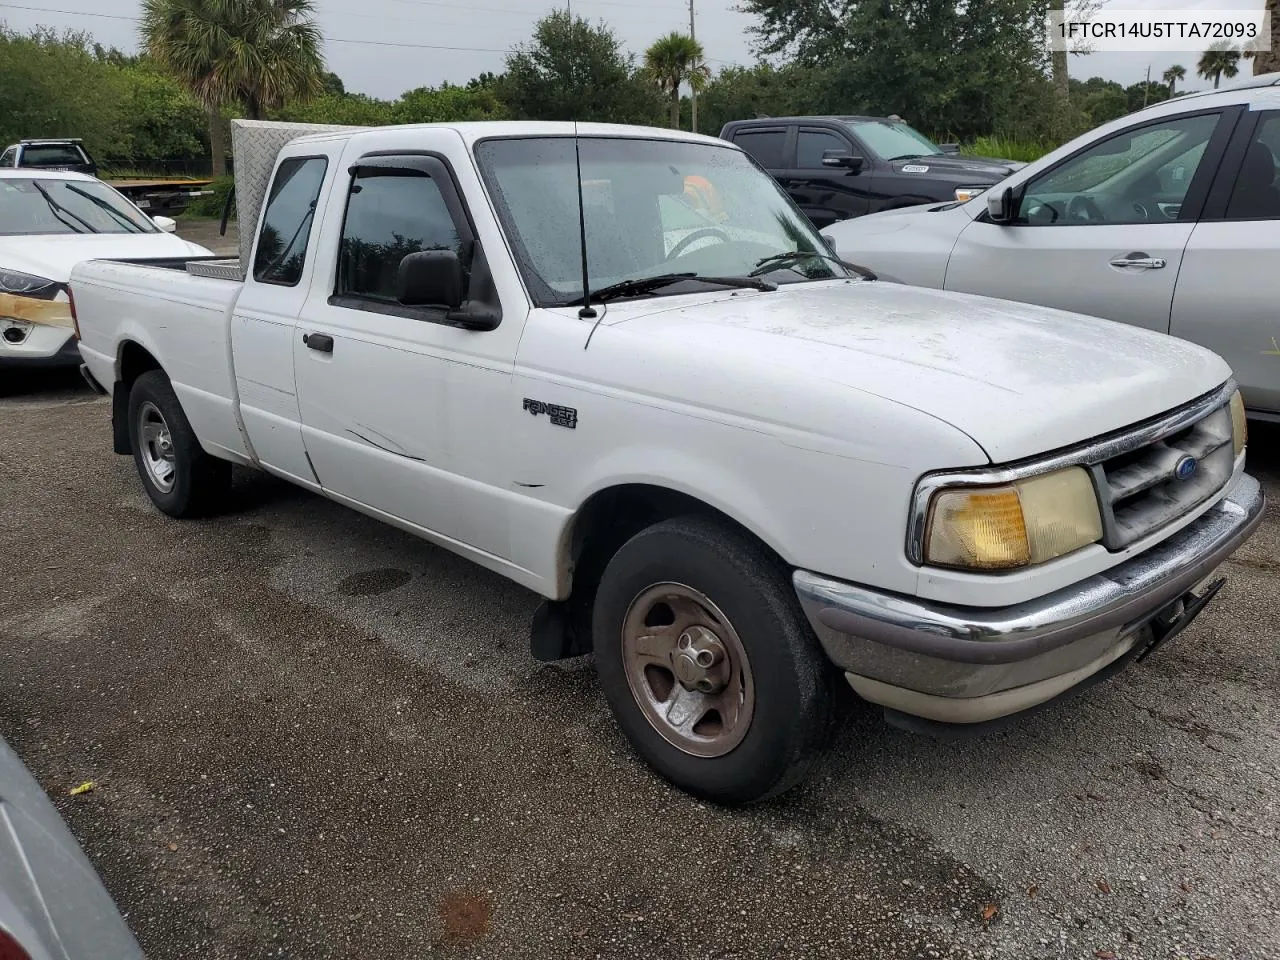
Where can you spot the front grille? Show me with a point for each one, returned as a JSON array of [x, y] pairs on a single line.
[[1140, 491]]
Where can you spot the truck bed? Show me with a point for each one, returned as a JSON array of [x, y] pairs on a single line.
[[183, 321]]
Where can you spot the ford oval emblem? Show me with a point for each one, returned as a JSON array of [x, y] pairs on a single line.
[[1185, 468]]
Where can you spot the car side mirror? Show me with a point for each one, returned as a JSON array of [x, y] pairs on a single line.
[[839, 158], [166, 224], [830, 241], [1001, 207], [430, 278], [949, 148]]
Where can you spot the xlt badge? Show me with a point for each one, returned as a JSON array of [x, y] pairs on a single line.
[[560, 416]]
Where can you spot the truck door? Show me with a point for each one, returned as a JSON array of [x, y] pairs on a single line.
[[404, 411], [266, 314]]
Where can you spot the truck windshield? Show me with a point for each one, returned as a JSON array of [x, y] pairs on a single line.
[[52, 155], [47, 205], [893, 140], [650, 207]]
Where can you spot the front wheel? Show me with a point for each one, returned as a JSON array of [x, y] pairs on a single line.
[[181, 479], [708, 663]]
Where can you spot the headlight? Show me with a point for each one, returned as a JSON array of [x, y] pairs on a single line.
[[965, 194], [1239, 425], [1014, 525], [26, 285]]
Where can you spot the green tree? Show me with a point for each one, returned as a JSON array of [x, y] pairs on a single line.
[[744, 93], [260, 54], [943, 65], [571, 70], [1173, 76], [1220, 60], [673, 61]]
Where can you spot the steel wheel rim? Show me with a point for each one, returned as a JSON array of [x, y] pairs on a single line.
[[157, 447], [688, 670]]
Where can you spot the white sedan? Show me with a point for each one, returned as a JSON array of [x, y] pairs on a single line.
[[49, 222], [1167, 219]]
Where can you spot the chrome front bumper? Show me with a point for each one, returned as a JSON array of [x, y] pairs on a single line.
[[956, 664]]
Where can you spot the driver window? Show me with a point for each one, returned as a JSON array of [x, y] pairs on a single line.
[[1138, 176]]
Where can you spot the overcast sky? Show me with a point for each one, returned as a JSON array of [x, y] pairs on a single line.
[[384, 47]]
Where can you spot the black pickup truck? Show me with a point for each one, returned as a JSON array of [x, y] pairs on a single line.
[[835, 168]]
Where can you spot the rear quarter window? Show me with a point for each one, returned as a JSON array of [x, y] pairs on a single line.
[[766, 146]]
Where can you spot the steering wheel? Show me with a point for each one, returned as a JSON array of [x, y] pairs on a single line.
[[1082, 209], [697, 235]]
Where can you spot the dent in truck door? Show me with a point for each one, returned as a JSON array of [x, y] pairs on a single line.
[[402, 412], [265, 317]]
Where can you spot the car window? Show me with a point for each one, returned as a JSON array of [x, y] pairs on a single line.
[[1137, 176], [811, 144], [286, 226], [51, 154], [48, 205], [767, 146], [1256, 193], [8, 157], [893, 140], [388, 218]]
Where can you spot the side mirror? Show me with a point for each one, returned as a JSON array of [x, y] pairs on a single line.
[[830, 241], [430, 278], [166, 224], [838, 158], [949, 148], [1000, 205]]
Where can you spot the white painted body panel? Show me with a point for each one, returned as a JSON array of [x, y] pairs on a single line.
[[806, 414]]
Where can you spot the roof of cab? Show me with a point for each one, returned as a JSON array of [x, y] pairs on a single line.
[[480, 130]]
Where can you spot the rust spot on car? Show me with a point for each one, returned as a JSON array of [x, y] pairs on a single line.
[[465, 916], [49, 313]]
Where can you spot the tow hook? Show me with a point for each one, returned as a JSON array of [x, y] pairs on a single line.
[[1177, 616]]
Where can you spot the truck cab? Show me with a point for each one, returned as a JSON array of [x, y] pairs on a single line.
[[837, 168], [55, 154]]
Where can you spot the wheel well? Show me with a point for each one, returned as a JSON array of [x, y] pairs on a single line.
[[603, 524], [135, 360]]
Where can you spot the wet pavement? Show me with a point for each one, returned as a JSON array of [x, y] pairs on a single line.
[[315, 736]]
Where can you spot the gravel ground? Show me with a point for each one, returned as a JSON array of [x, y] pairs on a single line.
[[314, 736], [205, 233]]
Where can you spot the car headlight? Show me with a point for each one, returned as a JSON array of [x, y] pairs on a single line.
[[24, 284], [965, 194], [1239, 425], [1013, 525]]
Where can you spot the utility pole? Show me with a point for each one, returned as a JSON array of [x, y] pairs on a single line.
[[1146, 87], [693, 93]]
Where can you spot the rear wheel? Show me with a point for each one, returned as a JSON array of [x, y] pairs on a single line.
[[181, 479], [708, 663]]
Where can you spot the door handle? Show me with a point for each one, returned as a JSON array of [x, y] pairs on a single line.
[[321, 342], [1140, 261]]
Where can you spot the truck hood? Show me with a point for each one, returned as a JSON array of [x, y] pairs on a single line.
[[978, 169], [53, 256], [1020, 380]]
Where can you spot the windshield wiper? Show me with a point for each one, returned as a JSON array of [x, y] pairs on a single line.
[[58, 211], [642, 285], [129, 225], [766, 264]]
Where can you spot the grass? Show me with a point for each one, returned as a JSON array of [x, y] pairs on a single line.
[[134, 173], [1006, 148]]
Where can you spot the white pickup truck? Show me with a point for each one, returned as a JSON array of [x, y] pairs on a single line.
[[618, 366]]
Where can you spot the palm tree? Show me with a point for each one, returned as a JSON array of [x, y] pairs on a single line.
[[257, 53], [1173, 75], [1220, 60], [674, 60]]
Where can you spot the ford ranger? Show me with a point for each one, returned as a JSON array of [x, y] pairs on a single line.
[[733, 466]]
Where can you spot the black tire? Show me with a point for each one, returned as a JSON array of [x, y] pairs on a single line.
[[793, 692], [200, 482]]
